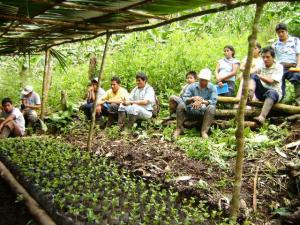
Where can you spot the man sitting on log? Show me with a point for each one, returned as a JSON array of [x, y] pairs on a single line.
[[31, 101], [91, 97], [287, 50], [13, 123], [199, 103], [266, 84], [109, 104], [139, 104]]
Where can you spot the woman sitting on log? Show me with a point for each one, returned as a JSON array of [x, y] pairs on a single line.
[[226, 70]]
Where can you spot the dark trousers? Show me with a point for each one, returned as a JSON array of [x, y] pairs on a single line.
[[293, 77], [262, 93]]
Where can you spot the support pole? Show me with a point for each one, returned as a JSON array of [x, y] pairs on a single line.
[[46, 82], [240, 136], [92, 126]]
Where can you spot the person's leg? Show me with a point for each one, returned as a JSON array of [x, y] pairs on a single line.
[[112, 114], [87, 110], [294, 78], [180, 117], [173, 103], [32, 118], [271, 97], [256, 87], [5, 132], [207, 120], [11, 128]]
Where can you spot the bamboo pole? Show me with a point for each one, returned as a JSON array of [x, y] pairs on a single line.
[[240, 136], [91, 131], [291, 109], [46, 79], [34, 208]]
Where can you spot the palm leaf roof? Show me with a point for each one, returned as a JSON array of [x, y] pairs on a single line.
[[34, 25]]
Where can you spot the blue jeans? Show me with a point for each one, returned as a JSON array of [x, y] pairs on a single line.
[[262, 93]]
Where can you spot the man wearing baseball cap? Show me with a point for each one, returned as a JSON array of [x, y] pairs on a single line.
[[30, 103], [200, 101], [287, 51]]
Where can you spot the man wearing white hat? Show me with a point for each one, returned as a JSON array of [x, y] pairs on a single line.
[[31, 102], [199, 103]]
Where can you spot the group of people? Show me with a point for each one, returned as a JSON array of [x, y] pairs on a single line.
[[13, 120], [271, 67]]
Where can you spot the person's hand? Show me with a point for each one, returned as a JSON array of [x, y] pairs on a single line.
[[1, 126], [197, 98], [220, 83], [196, 104]]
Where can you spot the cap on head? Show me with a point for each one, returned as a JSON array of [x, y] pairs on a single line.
[[26, 90], [95, 79], [205, 74], [281, 26]]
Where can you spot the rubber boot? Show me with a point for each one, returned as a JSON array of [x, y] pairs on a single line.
[[110, 120], [297, 94], [180, 117], [121, 119], [251, 90], [131, 120], [268, 103], [5, 132], [207, 120]]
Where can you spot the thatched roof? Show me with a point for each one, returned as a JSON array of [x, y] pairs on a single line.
[[34, 25]]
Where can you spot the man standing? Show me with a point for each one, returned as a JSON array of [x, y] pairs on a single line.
[[267, 83], [109, 104], [13, 123], [287, 51], [139, 104], [30, 103], [199, 103]]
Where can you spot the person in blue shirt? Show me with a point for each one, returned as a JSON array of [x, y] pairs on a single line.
[[287, 50], [200, 101]]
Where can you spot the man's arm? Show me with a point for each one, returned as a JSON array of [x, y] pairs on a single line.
[[8, 119], [265, 79]]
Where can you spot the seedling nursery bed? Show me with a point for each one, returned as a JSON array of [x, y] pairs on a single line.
[[78, 187]]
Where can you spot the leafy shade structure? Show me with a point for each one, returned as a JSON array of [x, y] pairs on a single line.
[[77, 187]]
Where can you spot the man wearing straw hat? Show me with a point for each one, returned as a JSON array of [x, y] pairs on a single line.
[[199, 104]]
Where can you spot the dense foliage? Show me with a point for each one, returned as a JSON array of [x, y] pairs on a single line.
[[88, 188]]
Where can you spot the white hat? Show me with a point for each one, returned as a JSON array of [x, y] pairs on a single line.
[[95, 79], [27, 90], [205, 74]]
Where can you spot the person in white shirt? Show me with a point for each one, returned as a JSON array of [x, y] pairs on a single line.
[[12, 122], [139, 104], [31, 102], [267, 83]]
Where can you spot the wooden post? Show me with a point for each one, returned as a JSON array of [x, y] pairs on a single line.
[[63, 100], [240, 137], [92, 67], [46, 82], [91, 131]]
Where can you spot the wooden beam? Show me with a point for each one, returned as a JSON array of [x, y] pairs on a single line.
[[92, 126], [46, 82], [33, 207]]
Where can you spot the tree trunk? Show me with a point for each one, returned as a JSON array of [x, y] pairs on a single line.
[[91, 131], [240, 137], [234, 112], [290, 109], [46, 82], [63, 100], [92, 67]]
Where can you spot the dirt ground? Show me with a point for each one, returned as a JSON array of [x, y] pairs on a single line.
[[165, 162]]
